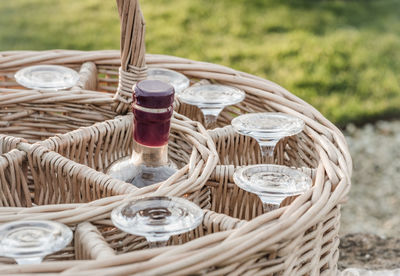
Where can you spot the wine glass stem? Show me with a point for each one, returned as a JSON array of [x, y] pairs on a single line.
[[157, 243], [267, 153], [210, 120], [32, 260], [267, 207]]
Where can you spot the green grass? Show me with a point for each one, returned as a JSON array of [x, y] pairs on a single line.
[[343, 57]]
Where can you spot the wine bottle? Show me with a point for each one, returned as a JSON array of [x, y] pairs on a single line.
[[152, 108]]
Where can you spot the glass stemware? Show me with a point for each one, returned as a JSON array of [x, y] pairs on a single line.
[[47, 77], [267, 129], [211, 99], [28, 242], [272, 183], [176, 79], [157, 218]]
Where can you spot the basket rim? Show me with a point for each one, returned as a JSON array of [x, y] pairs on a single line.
[[333, 139], [14, 59]]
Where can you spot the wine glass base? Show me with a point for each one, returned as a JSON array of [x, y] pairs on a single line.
[[177, 80], [272, 183], [157, 218], [47, 77], [266, 127], [211, 99], [29, 241], [211, 96]]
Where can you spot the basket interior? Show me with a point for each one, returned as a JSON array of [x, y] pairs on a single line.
[[69, 171], [100, 145]]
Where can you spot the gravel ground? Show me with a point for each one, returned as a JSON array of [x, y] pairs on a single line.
[[369, 251], [374, 200]]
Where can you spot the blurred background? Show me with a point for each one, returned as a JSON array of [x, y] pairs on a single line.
[[343, 57]]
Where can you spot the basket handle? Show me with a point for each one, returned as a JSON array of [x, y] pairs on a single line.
[[133, 65]]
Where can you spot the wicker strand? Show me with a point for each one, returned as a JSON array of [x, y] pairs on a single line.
[[133, 67], [127, 80], [297, 239], [87, 77], [91, 243]]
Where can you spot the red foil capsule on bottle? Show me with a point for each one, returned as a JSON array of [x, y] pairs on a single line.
[[151, 129], [152, 109]]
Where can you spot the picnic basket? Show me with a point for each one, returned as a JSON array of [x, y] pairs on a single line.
[[235, 238]]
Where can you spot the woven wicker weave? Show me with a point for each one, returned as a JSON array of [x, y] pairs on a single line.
[[73, 176], [302, 236], [235, 238]]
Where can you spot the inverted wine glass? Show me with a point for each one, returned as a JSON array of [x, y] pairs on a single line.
[[47, 77], [176, 79], [28, 242], [211, 99], [268, 129], [272, 183], [157, 218]]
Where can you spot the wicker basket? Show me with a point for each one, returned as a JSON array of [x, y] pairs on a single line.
[[235, 238]]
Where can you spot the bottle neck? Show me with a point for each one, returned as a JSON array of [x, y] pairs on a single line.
[[150, 156]]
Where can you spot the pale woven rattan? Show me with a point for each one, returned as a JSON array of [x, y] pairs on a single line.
[[14, 189], [304, 233], [300, 238]]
